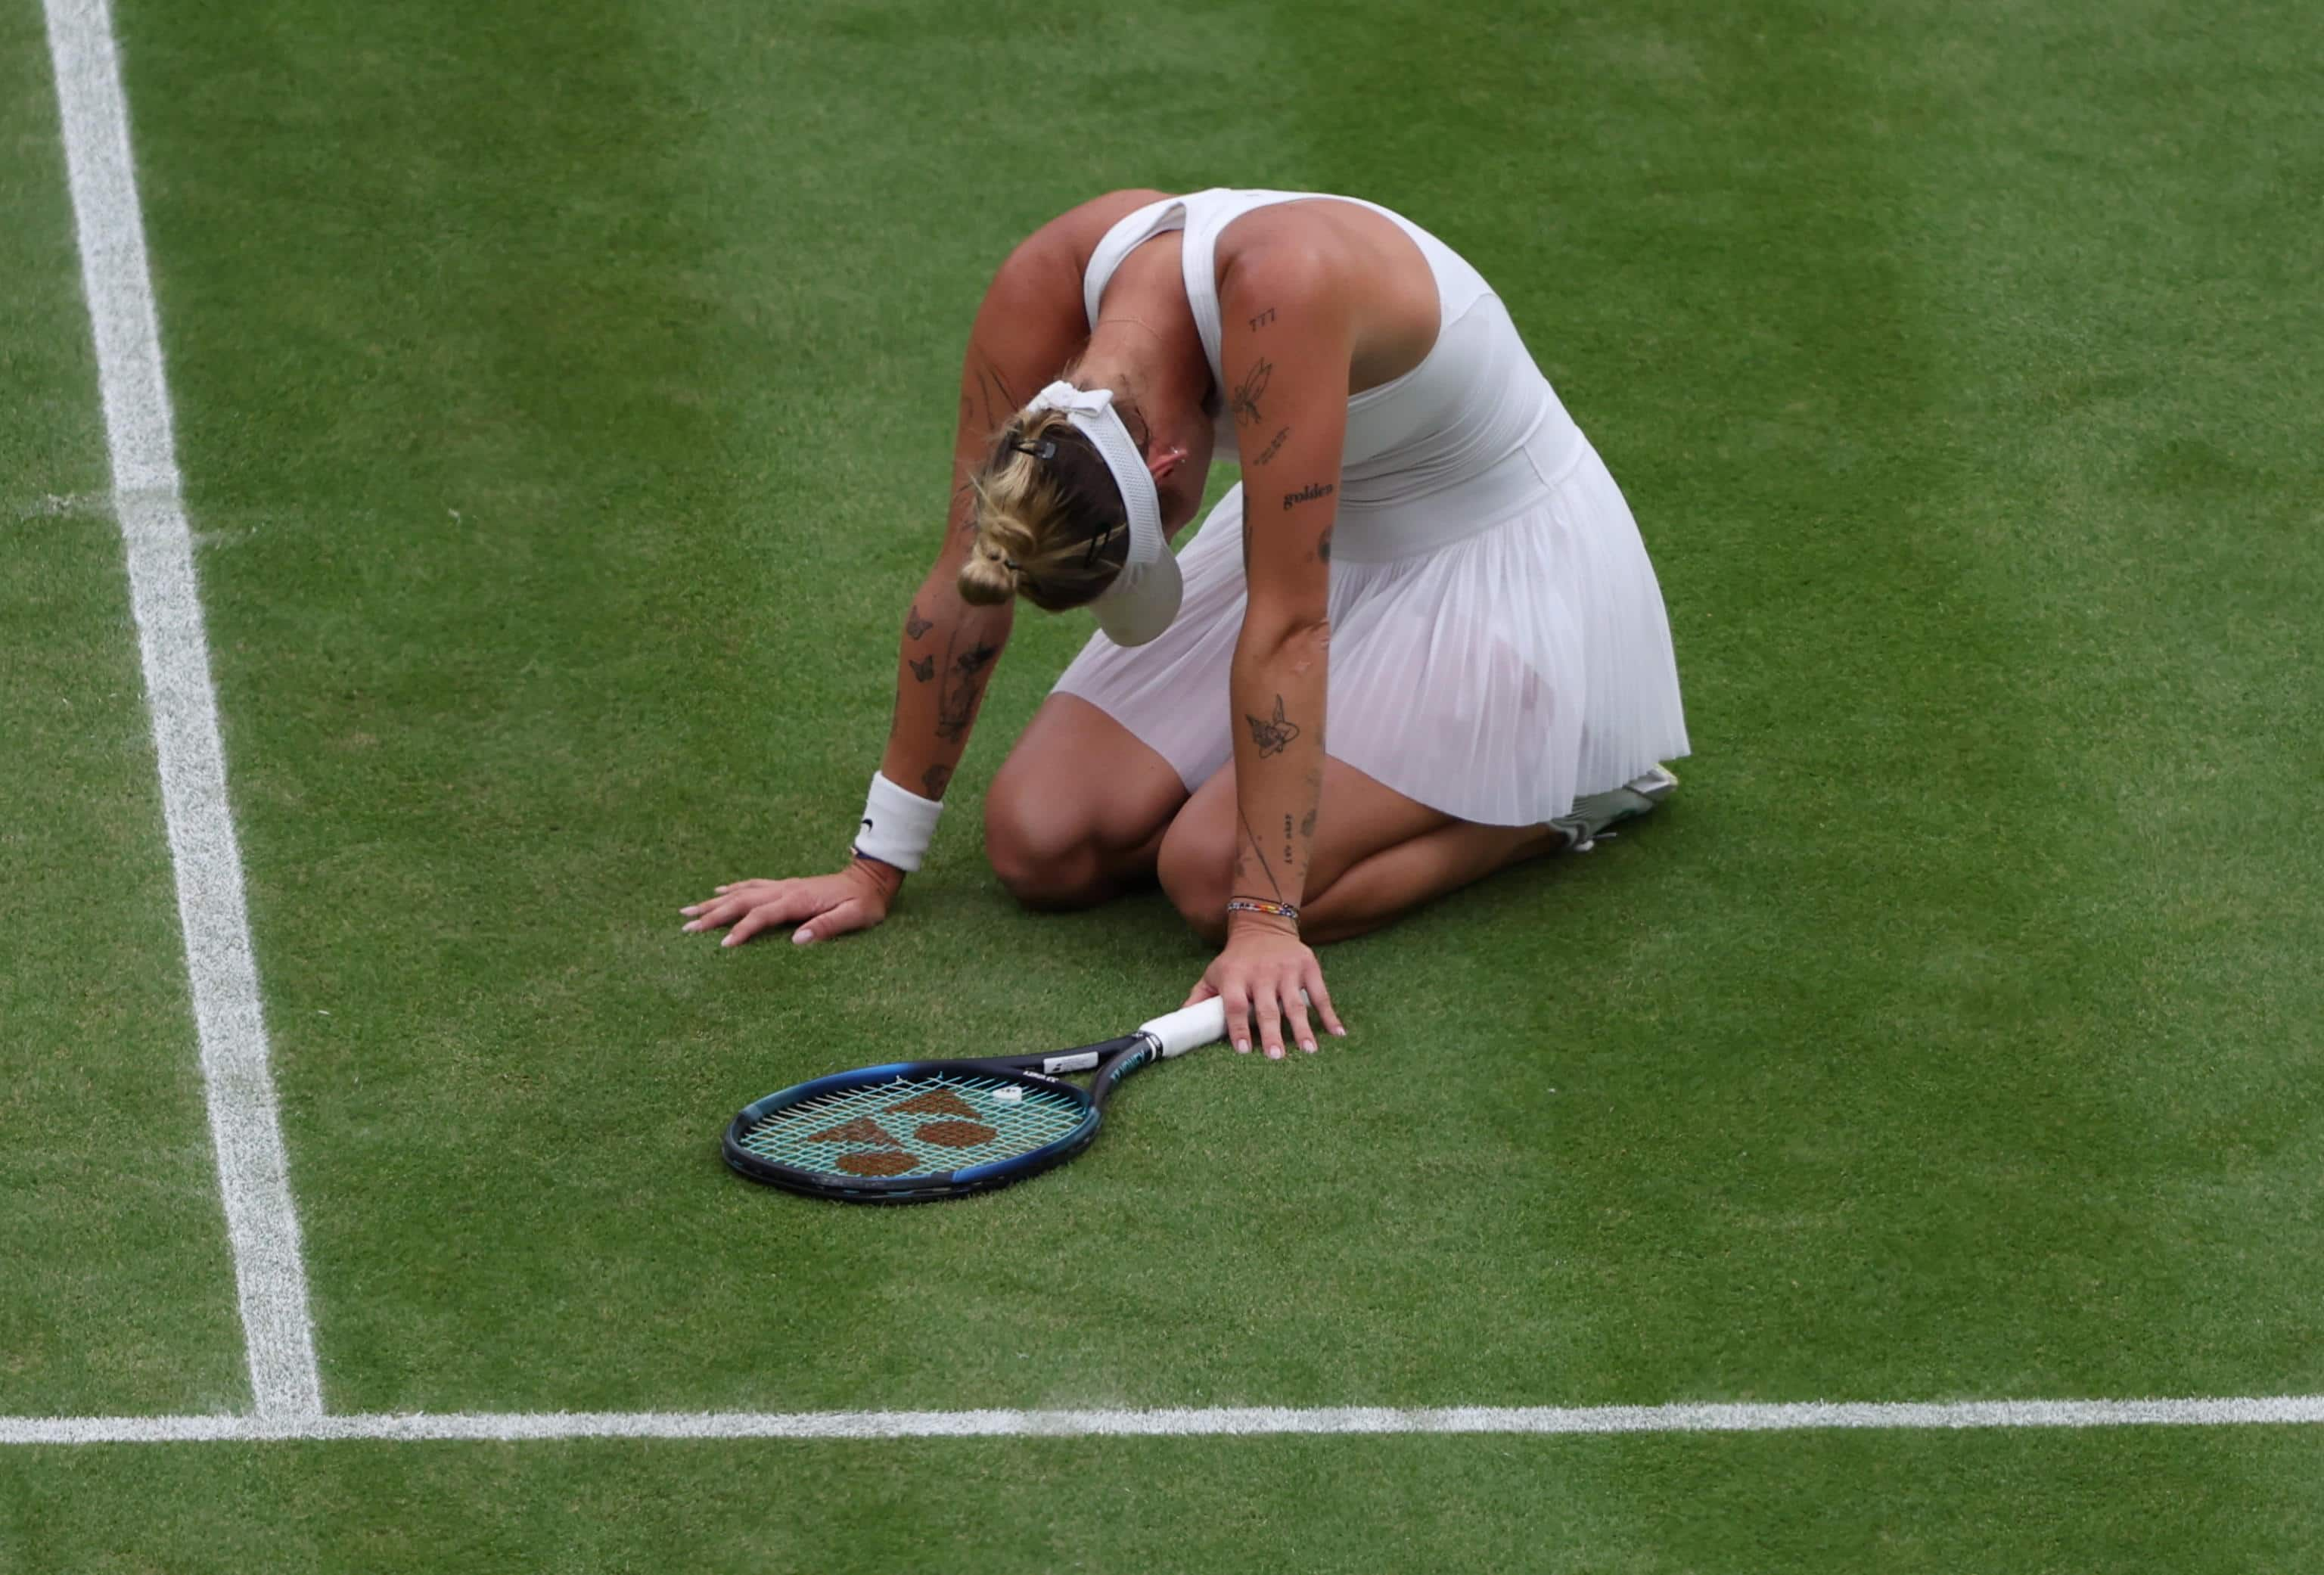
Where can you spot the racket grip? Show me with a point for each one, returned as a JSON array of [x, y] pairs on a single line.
[[1189, 1027]]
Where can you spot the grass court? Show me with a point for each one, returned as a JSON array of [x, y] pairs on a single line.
[[562, 395]]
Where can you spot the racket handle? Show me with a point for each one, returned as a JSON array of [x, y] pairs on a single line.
[[1188, 1028]]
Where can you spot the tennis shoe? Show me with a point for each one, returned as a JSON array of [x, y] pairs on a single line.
[[1593, 814]]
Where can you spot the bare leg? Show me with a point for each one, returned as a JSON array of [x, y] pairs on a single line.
[[1377, 854], [1391, 882], [1076, 812]]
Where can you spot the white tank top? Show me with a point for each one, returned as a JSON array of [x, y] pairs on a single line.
[[1474, 432]]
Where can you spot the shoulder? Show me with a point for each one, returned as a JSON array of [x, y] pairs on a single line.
[[1044, 271], [1071, 237], [1272, 257]]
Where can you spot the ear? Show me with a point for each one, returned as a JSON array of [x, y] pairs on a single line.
[[1162, 462]]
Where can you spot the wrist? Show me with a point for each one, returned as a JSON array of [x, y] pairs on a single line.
[[879, 872], [1261, 916], [897, 825]]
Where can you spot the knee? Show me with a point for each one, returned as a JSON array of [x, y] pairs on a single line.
[[1196, 871], [1047, 858]]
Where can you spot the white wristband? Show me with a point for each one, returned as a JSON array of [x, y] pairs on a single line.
[[898, 825]]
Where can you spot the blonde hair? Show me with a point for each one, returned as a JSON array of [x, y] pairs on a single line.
[[1050, 521]]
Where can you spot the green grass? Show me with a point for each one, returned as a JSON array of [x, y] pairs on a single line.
[[2201, 1502], [561, 395], [117, 1294]]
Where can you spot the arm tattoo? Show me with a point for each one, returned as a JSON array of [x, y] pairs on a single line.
[[934, 778], [1262, 320], [1307, 826], [1323, 544], [984, 397], [1272, 736], [1287, 842], [957, 694], [1308, 494], [1269, 452], [923, 667], [988, 383], [915, 625], [1260, 854], [1245, 404]]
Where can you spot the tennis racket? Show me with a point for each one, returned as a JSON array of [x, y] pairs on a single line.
[[913, 1131]]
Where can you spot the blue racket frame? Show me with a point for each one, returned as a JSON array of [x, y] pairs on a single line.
[[1112, 1060]]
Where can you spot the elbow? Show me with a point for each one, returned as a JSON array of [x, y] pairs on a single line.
[[1297, 643]]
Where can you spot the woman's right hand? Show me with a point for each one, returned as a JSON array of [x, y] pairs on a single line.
[[821, 906]]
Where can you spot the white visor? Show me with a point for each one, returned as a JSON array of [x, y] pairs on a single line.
[[1144, 596]]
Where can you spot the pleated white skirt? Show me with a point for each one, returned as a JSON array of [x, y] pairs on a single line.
[[1493, 677]]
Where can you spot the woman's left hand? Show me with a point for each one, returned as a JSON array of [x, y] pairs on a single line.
[[1261, 976]]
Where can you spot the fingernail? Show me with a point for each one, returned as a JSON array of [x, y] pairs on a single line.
[[802, 937], [1339, 1032], [1242, 1047], [727, 941], [1308, 1045], [1275, 1053], [687, 909], [689, 927]]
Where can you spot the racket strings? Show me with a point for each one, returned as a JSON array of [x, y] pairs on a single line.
[[929, 1124]]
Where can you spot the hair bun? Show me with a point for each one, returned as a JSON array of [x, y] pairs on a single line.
[[987, 578], [1045, 514]]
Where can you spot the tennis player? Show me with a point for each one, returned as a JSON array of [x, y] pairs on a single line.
[[1389, 662]]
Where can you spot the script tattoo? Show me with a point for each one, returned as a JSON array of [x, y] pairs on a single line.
[[923, 667], [1271, 735], [1275, 443], [1262, 320], [1287, 840], [1308, 493], [957, 695], [915, 625], [934, 778], [1245, 404]]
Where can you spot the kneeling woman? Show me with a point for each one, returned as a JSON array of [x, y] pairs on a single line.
[[1424, 547]]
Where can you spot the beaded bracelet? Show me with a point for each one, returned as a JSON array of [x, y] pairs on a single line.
[[1263, 904]]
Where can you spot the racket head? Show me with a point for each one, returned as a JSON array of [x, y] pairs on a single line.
[[910, 1131]]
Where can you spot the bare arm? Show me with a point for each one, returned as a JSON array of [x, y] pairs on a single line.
[[1030, 324], [1286, 347]]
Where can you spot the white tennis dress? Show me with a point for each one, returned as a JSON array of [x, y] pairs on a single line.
[[1499, 643]]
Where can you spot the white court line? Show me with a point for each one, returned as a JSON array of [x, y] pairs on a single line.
[[1230, 1423], [253, 1175], [261, 1221]]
